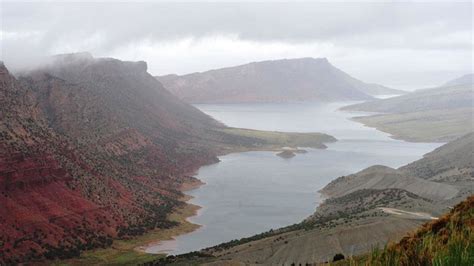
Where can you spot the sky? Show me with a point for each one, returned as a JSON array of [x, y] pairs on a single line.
[[406, 45]]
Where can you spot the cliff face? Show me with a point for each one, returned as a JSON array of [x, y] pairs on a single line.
[[90, 150], [288, 80]]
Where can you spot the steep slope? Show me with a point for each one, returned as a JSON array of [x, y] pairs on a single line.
[[439, 114], [72, 177], [287, 80], [107, 102], [91, 150], [447, 241], [46, 210]]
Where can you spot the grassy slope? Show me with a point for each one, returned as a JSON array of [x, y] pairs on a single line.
[[447, 241], [424, 126], [269, 140]]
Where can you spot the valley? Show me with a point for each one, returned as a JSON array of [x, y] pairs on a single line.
[[253, 187], [243, 133], [354, 221]]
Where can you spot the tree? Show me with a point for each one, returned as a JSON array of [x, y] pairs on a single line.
[[338, 256]]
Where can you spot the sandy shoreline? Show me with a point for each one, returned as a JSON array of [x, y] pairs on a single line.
[[183, 215]]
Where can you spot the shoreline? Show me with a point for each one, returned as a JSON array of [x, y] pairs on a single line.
[[133, 250], [189, 210], [196, 183]]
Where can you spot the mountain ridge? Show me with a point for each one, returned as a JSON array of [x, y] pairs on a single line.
[[284, 80]]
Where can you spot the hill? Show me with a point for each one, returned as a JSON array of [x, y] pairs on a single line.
[[379, 177], [95, 149], [286, 80], [443, 175], [433, 115], [439, 98]]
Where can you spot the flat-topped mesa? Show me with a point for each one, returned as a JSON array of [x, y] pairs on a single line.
[[284, 80], [84, 64]]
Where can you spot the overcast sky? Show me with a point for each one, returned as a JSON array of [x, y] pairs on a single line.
[[403, 45]]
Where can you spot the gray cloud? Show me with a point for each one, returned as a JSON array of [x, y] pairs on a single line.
[[32, 30]]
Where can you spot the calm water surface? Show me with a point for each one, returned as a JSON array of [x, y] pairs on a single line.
[[251, 192]]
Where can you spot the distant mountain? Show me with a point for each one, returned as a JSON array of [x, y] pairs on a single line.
[[464, 80], [439, 98], [287, 80], [438, 114]]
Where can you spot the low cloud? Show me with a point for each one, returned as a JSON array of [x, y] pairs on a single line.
[[378, 42]]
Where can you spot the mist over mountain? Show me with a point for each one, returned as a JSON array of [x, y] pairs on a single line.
[[464, 80], [437, 114], [286, 80]]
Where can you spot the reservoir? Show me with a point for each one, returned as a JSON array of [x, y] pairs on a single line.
[[252, 192]]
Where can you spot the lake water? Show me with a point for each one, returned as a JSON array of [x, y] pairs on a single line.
[[252, 192]]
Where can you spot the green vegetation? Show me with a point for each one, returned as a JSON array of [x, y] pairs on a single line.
[[426, 126], [444, 242], [127, 251], [273, 140], [447, 241]]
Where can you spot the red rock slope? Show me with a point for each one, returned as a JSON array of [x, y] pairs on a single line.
[[90, 150]]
